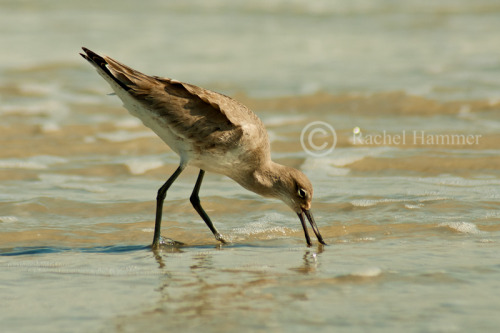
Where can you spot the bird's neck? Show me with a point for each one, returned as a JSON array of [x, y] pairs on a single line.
[[264, 180]]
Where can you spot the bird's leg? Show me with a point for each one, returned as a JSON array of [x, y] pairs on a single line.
[[195, 201], [162, 193]]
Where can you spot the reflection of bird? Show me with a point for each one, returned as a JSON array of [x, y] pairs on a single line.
[[209, 131]]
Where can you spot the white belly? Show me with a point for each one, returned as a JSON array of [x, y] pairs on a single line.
[[212, 161]]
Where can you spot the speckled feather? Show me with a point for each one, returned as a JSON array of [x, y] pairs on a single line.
[[211, 122], [210, 131]]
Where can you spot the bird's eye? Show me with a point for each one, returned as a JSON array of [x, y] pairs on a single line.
[[302, 193]]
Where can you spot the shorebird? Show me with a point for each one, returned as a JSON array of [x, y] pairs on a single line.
[[209, 131]]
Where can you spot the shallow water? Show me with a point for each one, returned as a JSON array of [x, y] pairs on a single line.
[[408, 200]]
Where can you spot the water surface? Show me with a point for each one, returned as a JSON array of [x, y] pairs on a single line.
[[412, 224]]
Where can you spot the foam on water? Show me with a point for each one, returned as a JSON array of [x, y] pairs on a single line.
[[371, 202], [462, 227], [34, 162], [122, 136], [38, 89], [264, 226], [279, 121], [84, 187], [459, 181], [8, 219], [364, 203], [322, 166], [344, 156], [49, 127], [128, 122], [140, 166], [61, 178], [71, 182], [336, 163], [21, 164], [47, 108], [410, 206]]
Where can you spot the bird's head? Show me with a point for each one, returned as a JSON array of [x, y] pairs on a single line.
[[295, 189]]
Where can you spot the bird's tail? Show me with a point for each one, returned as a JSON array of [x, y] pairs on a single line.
[[113, 71]]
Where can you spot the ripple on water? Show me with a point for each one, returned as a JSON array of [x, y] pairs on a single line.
[[8, 219], [462, 227], [34, 162]]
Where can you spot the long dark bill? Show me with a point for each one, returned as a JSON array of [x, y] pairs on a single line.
[[304, 226], [310, 217]]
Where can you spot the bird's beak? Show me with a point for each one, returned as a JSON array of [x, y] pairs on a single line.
[[310, 218]]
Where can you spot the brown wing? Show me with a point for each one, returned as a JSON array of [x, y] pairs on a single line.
[[192, 112]]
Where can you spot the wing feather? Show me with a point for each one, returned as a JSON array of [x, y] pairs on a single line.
[[206, 118]]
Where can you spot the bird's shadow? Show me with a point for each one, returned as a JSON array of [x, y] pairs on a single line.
[[111, 249], [117, 249], [34, 250]]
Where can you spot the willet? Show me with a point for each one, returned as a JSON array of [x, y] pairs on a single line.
[[209, 131]]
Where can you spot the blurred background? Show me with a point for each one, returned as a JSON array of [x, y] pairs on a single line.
[[445, 49], [413, 227]]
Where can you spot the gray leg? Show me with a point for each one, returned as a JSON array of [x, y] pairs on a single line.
[[162, 193], [195, 201]]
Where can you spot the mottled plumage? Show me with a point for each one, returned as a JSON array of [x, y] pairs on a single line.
[[210, 131]]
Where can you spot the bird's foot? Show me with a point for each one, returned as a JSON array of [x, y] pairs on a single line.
[[220, 238], [169, 242]]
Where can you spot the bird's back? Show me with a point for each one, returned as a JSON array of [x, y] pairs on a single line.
[[207, 129]]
